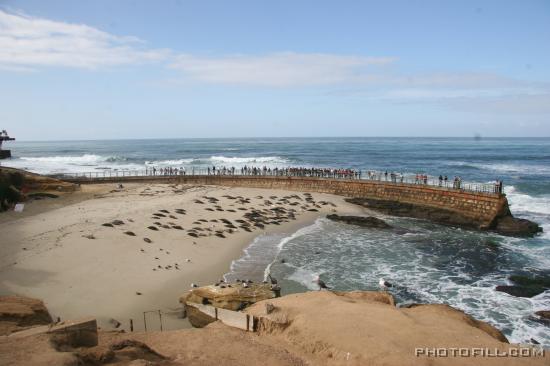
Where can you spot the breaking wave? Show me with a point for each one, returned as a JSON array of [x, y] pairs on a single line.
[[249, 160]]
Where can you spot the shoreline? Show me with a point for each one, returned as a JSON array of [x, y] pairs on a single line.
[[55, 261]]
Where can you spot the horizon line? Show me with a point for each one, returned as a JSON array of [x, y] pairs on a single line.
[[475, 137]]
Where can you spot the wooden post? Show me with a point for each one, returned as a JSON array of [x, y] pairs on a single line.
[[144, 321], [160, 319], [131, 325]]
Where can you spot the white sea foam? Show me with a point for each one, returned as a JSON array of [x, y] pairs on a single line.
[[260, 255], [305, 278], [174, 162], [86, 158], [316, 226], [249, 160], [524, 203], [70, 164], [92, 162], [505, 168]]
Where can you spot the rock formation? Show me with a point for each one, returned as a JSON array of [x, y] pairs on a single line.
[[233, 298], [364, 221], [14, 182], [313, 328], [18, 313], [504, 223], [525, 286]]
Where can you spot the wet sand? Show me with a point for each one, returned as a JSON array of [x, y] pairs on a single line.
[[115, 253]]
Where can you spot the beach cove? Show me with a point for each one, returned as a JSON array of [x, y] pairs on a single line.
[[64, 255]]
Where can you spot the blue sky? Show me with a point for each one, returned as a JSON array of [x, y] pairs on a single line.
[[131, 69]]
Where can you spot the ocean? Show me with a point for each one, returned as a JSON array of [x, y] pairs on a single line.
[[428, 263]]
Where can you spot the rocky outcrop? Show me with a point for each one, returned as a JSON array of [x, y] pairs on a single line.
[[544, 316], [233, 297], [365, 328], [504, 223], [525, 286], [74, 333], [520, 291], [14, 183], [312, 328], [363, 221], [513, 226], [18, 312]]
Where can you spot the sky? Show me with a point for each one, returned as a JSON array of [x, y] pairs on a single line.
[[108, 69]]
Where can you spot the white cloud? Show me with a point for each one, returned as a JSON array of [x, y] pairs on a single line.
[[28, 42], [285, 69]]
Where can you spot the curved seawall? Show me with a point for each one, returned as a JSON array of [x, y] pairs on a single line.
[[441, 204]]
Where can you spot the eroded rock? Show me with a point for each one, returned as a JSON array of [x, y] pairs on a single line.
[[233, 298], [514, 226], [18, 312], [363, 221]]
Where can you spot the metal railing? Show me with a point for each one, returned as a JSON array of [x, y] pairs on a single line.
[[344, 174]]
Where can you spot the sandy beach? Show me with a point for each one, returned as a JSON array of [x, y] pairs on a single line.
[[73, 253]]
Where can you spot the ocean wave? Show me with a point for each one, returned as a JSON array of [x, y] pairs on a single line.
[[249, 160], [86, 158], [71, 163], [316, 226], [503, 168], [170, 162], [524, 203], [260, 255]]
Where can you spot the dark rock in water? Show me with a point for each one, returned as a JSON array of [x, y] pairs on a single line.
[[531, 281], [526, 286], [513, 226], [504, 223], [491, 245], [544, 314], [402, 209], [364, 221], [152, 228], [521, 291]]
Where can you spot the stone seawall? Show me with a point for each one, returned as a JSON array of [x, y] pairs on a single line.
[[479, 210]]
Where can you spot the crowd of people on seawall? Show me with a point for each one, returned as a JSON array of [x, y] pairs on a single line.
[[334, 173], [393, 177], [258, 171]]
